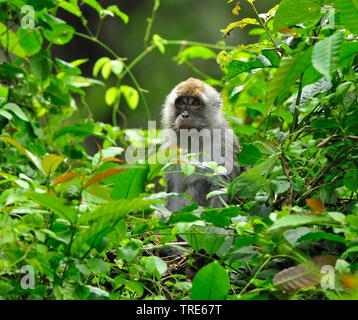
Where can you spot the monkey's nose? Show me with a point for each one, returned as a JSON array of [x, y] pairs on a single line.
[[185, 114]]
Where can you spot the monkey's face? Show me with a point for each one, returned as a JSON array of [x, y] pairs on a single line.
[[192, 104], [189, 112]]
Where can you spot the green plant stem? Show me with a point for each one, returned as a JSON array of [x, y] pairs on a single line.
[[263, 24], [297, 104], [256, 274]]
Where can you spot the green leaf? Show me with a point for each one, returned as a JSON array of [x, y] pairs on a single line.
[[350, 180], [99, 64], [16, 110], [131, 95], [324, 123], [349, 13], [210, 283], [30, 40], [34, 159], [129, 184], [106, 70], [117, 67], [119, 13], [195, 52], [154, 265], [10, 41], [55, 205], [98, 265], [159, 42], [249, 155], [220, 217], [292, 12], [321, 235], [251, 181], [293, 221], [280, 186], [50, 163], [326, 53], [111, 95], [115, 210], [130, 251], [268, 59], [41, 65], [59, 32]]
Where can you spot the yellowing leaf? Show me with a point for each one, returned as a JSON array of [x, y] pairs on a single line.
[[34, 159], [239, 24], [65, 177], [50, 163], [316, 204], [236, 9]]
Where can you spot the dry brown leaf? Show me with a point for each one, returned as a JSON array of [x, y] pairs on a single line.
[[316, 204], [304, 275]]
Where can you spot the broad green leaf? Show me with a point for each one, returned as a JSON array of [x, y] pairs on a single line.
[[210, 283], [292, 12], [59, 32], [195, 52], [131, 95], [130, 251], [55, 205], [293, 221], [16, 110], [326, 53], [119, 13], [251, 181], [10, 41], [348, 13], [34, 159], [268, 59], [350, 180], [249, 155], [324, 123], [50, 163], [41, 65], [154, 265], [30, 40], [129, 184], [280, 186], [97, 265], [116, 210], [321, 235]]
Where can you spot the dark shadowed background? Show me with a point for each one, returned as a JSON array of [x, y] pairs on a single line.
[[199, 20]]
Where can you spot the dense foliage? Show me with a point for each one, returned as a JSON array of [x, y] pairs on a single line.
[[80, 226]]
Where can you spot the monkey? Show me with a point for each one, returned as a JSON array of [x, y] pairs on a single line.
[[192, 116]]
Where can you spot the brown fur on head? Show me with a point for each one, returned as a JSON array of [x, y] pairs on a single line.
[[209, 116], [190, 87]]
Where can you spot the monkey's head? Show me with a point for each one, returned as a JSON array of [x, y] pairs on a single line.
[[192, 104]]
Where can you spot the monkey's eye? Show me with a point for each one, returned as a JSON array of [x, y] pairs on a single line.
[[180, 102], [196, 104]]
